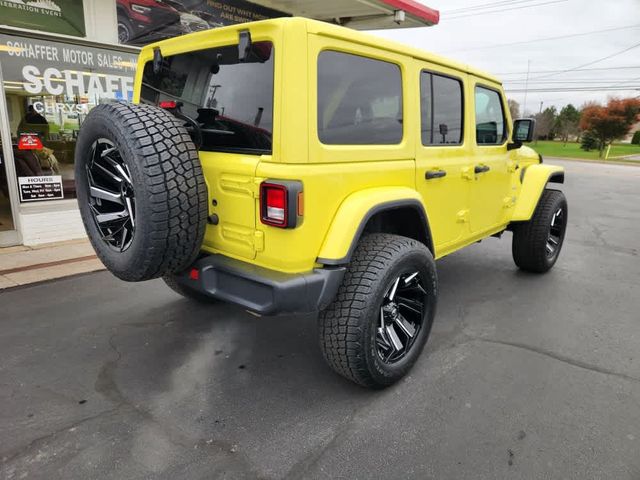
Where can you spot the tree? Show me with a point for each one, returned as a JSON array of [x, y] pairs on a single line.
[[636, 138], [514, 108], [611, 122], [589, 141], [545, 121], [568, 122]]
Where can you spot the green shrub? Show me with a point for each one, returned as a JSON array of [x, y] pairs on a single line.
[[589, 141], [636, 138]]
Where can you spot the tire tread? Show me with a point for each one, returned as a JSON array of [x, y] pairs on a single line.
[[341, 325]]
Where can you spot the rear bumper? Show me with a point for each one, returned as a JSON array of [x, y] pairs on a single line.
[[264, 291]]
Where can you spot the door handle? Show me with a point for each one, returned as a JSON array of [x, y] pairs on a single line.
[[431, 174], [481, 169]]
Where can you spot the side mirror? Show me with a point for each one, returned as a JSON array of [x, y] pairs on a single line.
[[523, 131]]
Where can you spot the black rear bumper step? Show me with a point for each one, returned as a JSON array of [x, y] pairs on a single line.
[[264, 291]]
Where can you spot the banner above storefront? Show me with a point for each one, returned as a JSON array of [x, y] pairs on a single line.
[[55, 16], [147, 21]]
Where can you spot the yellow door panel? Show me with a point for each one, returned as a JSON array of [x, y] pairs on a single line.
[[442, 153], [491, 167]]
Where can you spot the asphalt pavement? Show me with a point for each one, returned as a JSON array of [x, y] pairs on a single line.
[[524, 376]]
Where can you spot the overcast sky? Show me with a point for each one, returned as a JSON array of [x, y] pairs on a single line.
[[467, 25]]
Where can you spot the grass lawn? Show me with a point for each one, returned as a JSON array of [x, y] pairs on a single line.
[[573, 150]]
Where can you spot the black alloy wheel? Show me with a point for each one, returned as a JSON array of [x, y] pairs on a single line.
[[556, 233], [401, 317], [111, 195]]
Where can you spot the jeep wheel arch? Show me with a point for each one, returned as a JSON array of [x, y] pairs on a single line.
[[534, 180], [400, 216]]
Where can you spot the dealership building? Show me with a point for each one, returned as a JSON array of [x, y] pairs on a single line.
[[60, 58]]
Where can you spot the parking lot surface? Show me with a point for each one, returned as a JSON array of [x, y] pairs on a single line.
[[524, 377]]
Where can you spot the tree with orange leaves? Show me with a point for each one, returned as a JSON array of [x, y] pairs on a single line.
[[611, 122]]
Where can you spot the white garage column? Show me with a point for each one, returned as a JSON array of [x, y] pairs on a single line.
[[101, 20]]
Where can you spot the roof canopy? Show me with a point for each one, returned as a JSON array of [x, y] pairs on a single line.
[[360, 14]]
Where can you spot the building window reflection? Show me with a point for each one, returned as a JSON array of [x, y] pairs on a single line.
[[50, 88]]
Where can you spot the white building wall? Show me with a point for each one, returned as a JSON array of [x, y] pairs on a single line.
[[46, 223]]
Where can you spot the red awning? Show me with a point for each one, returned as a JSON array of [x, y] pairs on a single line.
[[360, 14]]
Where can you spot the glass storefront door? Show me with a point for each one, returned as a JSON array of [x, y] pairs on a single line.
[[49, 87]]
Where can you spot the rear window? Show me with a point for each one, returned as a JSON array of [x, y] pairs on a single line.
[[232, 101], [359, 100]]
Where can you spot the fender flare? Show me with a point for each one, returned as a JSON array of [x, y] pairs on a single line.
[[535, 179], [355, 212]]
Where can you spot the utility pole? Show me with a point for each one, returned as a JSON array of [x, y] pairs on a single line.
[[526, 89]]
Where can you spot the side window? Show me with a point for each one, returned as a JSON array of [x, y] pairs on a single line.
[[359, 100], [490, 122], [442, 110]]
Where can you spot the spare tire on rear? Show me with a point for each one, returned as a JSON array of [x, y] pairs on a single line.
[[141, 192]]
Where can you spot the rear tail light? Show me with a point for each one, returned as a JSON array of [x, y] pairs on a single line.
[[281, 203], [168, 104]]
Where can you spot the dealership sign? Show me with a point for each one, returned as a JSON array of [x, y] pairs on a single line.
[[57, 16], [42, 67]]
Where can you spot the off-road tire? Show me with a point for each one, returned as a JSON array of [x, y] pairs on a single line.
[[347, 327], [530, 238], [170, 191]]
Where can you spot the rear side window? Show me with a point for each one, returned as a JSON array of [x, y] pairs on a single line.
[[359, 100], [441, 109], [230, 100], [490, 124]]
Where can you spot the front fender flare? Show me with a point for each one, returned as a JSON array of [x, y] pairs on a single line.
[[534, 181], [354, 213]]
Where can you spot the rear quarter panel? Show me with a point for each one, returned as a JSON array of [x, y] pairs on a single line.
[[329, 173]]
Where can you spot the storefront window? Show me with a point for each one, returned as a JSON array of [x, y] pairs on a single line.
[[50, 88]]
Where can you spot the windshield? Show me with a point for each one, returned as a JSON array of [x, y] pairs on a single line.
[[232, 101]]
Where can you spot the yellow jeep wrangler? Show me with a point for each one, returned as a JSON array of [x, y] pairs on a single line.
[[291, 165]]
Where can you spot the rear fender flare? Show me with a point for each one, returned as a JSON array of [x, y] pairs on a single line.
[[354, 213]]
